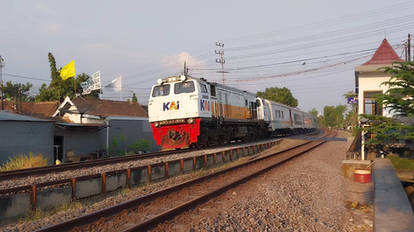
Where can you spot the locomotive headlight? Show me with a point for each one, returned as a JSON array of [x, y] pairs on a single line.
[[159, 81], [157, 124], [190, 120], [182, 78]]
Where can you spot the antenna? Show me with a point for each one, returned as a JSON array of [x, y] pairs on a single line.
[[1, 81]]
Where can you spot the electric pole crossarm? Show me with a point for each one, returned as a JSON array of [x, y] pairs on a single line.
[[221, 60]]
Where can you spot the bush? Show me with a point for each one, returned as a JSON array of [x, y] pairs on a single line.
[[23, 161], [140, 145]]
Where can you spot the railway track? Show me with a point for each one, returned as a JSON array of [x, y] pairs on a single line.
[[84, 164], [145, 212]]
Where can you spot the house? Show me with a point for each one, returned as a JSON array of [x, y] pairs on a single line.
[[22, 134], [369, 77], [43, 110], [94, 126]]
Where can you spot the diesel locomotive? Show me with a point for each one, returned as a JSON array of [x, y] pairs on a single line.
[[185, 111]]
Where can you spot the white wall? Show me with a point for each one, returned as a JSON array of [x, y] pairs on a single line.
[[371, 83]]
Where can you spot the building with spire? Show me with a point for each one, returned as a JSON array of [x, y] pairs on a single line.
[[369, 78]]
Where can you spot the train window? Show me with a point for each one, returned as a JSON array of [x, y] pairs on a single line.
[[282, 115], [213, 90], [245, 103], [203, 88], [161, 90], [184, 87]]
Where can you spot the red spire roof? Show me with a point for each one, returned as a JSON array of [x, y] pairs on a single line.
[[385, 54]]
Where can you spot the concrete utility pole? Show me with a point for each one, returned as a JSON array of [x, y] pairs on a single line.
[[409, 47], [221, 60], [1, 82]]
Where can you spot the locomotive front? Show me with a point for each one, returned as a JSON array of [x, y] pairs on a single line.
[[174, 109]]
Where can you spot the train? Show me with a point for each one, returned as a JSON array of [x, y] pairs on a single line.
[[186, 111]]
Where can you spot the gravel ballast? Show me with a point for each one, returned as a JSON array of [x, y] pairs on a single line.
[[303, 194], [103, 201], [16, 182]]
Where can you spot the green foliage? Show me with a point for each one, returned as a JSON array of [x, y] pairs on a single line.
[[387, 130], [17, 91], [58, 89], [23, 161], [116, 146], [401, 164], [281, 95], [134, 98], [333, 116], [140, 145], [399, 100], [399, 97]]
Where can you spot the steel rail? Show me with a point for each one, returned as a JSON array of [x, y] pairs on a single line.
[[91, 163], [131, 204]]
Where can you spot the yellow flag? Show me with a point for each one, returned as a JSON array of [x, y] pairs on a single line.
[[68, 71]]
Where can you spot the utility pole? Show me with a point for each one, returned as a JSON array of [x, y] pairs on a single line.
[[405, 51], [1, 82], [409, 48], [221, 60]]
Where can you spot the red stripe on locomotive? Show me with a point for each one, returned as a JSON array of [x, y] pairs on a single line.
[[176, 136]]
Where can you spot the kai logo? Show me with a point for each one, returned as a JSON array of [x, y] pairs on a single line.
[[204, 105], [171, 105]]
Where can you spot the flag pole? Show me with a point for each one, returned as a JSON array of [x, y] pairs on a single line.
[[74, 84]]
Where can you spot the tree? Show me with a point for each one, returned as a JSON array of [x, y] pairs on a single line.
[[314, 112], [334, 115], [351, 117], [58, 89], [281, 95], [17, 91], [134, 98], [399, 98]]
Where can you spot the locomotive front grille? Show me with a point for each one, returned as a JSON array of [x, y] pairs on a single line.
[[172, 122]]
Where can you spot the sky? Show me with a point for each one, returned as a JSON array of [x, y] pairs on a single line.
[[310, 47]]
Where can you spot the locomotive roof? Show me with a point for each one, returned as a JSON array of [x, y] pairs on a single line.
[[223, 86]]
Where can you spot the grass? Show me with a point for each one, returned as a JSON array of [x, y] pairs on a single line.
[[24, 161], [39, 214], [402, 164]]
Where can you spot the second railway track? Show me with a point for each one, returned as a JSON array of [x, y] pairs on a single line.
[[148, 211]]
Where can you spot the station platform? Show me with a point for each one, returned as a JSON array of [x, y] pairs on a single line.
[[392, 209]]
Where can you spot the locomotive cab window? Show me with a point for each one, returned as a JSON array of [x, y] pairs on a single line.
[[161, 90], [184, 87], [203, 88], [213, 90]]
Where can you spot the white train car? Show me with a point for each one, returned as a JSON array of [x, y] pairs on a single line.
[[276, 115], [283, 120]]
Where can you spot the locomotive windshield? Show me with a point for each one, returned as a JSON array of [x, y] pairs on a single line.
[[161, 90], [184, 87]]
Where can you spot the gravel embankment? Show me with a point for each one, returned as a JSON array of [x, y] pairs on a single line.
[[16, 182], [303, 194], [103, 201]]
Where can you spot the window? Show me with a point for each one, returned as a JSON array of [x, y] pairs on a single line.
[[282, 115], [184, 87], [371, 105], [298, 119], [213, 90], [161, 90], [203, 88], [258, 102]]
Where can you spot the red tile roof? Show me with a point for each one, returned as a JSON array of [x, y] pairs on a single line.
[[109, 108], [35, 109], [385, 54]]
